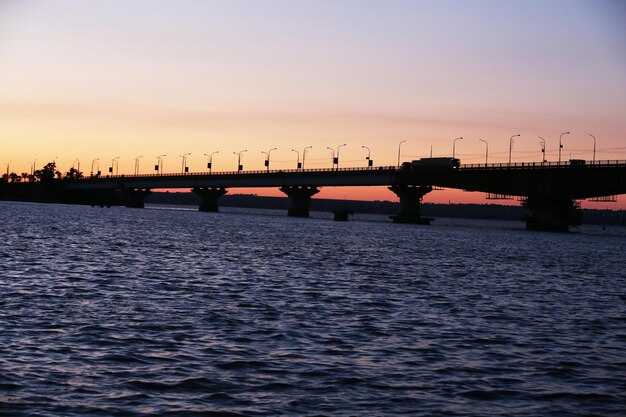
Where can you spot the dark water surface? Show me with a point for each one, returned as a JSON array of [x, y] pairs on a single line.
[[125, 312]]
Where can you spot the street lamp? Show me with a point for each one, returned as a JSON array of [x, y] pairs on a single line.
[[594, 147], [209, 163], [298, 164], [454, 145], [267, 161], [159, 166], [368, 157], [239, 166], [511, 141], [399, 145], [8, 163], [33, 170], [114, 164], [486, 150], [543, 148], [95, 161], [304, 155], [338, 147], [78, 168], [137, 164], [333, 154], [561, 144], [184, 168]]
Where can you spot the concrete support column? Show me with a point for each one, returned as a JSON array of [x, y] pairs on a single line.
[[552, 214], [104, 198], [411, 203], [210, 197], [133, 197], [299, 199]]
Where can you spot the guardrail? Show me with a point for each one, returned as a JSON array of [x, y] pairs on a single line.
[[256, 172], [389, 169], [540, 165]]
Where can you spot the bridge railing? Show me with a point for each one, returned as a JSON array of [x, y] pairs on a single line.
[[542, 165], [255, 172], [503, 166]]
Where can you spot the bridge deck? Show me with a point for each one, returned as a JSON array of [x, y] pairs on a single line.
[[566, 179]]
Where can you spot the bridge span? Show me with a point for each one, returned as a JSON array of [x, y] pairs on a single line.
[[549, 191]]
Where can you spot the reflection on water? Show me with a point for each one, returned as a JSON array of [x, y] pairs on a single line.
[[175, 312]]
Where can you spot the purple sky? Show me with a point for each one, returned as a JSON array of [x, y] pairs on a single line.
[[100, 79]]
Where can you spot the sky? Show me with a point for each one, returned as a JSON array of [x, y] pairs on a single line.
[[81, 81]]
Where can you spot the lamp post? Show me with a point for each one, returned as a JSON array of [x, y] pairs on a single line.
[[114, 164], [239, 166], [543, 149], [338, 147], [332, 151], [159, 166], [454, 145], [137, 164], [267, 161], [399, 145], [8, 163], [561, 144], [78, 167], [336, 155], [594, 147], [304, 155], [93, 162], [511, 141], [209, 163], [368, 157], [298, 165], [184, 168], [486, 150], [32, 173]]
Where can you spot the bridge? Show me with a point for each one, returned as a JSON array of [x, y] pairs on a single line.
[[549, 191]]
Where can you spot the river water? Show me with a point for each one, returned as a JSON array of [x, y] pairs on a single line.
[[168, 312]]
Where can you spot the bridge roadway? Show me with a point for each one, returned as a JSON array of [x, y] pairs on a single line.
[[246, 179], [550, 190]]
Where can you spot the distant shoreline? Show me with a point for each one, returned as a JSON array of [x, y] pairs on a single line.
[[471, 211], [36, 192]]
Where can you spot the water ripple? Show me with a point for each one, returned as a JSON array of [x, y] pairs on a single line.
[[177, 313]]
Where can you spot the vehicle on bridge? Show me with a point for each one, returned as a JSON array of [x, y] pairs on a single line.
[[432, 164]]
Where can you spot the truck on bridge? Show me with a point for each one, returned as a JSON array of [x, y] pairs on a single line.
[[432, 164]]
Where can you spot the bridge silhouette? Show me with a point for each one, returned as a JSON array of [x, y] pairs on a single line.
[[549, 191]]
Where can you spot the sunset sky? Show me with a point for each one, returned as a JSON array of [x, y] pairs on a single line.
[[101, 79]]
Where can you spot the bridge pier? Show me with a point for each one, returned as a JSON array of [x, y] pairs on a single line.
[[411, 203], [133, 197], [104, 198], [299, 199], [209, 197], [553, 214]]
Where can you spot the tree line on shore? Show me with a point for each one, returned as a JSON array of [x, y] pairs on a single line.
[[47, 173]]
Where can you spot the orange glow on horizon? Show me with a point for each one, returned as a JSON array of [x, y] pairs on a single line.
[[111, 81]]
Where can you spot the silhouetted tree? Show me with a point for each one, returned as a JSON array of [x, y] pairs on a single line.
[[73, 174], [14, 177], [48, 172]]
